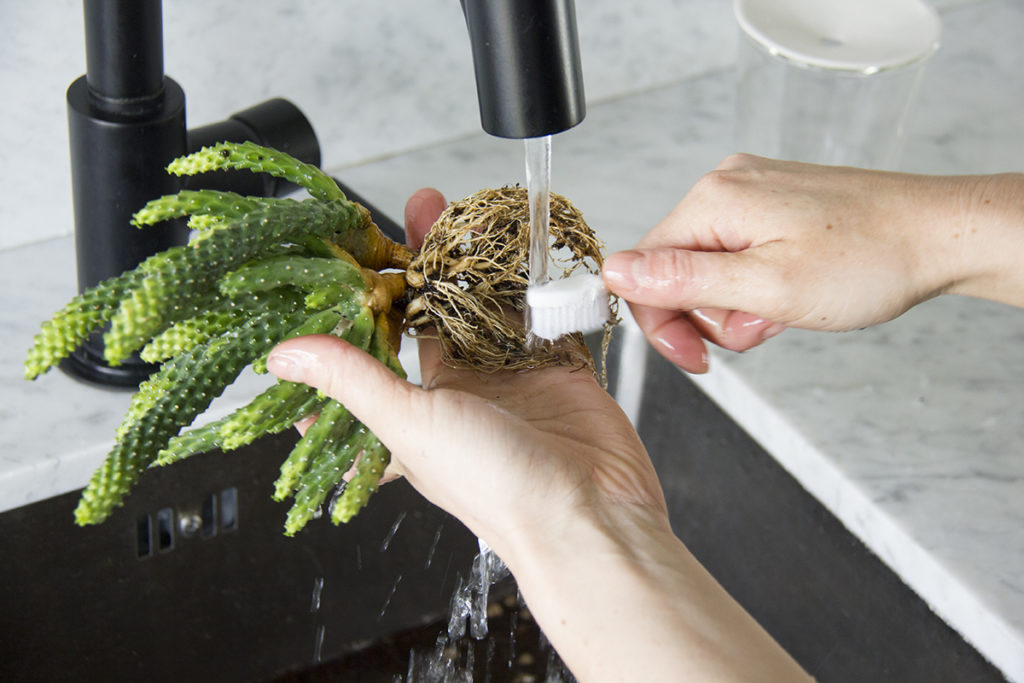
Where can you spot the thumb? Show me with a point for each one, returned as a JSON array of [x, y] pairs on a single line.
[[352, 377], [682, 280]]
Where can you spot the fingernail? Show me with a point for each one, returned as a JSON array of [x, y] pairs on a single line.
[[618, 270], [289, 364]]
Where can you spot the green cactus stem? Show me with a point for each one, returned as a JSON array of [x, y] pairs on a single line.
[[261, 270]]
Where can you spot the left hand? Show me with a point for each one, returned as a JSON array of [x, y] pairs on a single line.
[[509, 453]]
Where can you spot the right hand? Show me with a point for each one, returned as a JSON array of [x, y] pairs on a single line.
[[760, 245]]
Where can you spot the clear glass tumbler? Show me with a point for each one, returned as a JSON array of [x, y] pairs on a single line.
[[830, 81]]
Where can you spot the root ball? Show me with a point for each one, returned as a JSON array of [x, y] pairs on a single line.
[[468, 281]]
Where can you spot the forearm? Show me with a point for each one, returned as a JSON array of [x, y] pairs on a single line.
[[984, 233], [623, 600]]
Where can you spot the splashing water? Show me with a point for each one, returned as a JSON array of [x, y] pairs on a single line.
[[318, 644], [433, 546], [391, 533], [387, 603], [470, 598]]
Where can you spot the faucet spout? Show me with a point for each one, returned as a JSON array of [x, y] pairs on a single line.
[[527, 62]]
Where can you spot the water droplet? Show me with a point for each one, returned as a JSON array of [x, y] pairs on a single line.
[[318, 587], [433, 546], [387, 602], [318, 644], [391, 533]]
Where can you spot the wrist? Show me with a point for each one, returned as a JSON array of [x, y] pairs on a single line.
[[621, 598], [984, 235]]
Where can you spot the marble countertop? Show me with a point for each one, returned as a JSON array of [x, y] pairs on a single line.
[[911, 433]]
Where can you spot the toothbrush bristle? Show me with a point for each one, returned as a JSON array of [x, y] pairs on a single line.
[[574, 304]]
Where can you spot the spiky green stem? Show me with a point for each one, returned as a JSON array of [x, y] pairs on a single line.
[[189, 443], [260, 270], [305, 273], [191, 382], [273, 411], [370, 467], [253, 157], [331, 426], [182, 274], [73, 324], [212, 203]]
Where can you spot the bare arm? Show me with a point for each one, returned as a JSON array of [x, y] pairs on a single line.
[[759, 245], [545, 467]]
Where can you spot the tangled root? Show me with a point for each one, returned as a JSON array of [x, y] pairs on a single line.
[[467, 282]]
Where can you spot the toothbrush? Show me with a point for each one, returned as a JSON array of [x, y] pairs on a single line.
[[578, 303]]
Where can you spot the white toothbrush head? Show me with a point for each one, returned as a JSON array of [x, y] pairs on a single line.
[[578, 303]]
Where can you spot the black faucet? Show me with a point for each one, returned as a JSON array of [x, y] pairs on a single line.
[[527, 61], [126, 122]]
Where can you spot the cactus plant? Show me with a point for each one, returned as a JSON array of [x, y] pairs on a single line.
[[258, 271]]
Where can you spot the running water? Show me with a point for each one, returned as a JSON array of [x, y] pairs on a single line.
[[387, 603], [469, 603], [314, 608], [538, 189], [391, 533], [433, 546], [453, 659], [318, 588]]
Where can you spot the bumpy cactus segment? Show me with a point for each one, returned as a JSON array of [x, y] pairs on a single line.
[[261, 270], [252, 157], [191, 382], [185, 334], [276, 409], [364, 483], [332, 424], [191, 442], [304, 272], [213, 315], [73, 324], [324, 476], [273, 411], [323, 322], [281, 306], [182, 274], [207, 203]]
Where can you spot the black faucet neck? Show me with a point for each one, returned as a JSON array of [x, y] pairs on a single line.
[[527, 61], [124, 55]]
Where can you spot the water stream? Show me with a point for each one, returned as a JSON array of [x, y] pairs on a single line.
[[314, 608], [538, 189]]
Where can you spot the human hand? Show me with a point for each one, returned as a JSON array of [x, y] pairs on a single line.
[[759, 245], [546, 468], [509, 454]]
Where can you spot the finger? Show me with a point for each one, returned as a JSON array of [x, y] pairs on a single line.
[[430, 359], [305, 423], [733, 330], [673, 336], [365, 386], [392, 472], [421, 211], [683, 280]]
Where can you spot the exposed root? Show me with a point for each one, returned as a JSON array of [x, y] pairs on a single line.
[[467, 282]]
